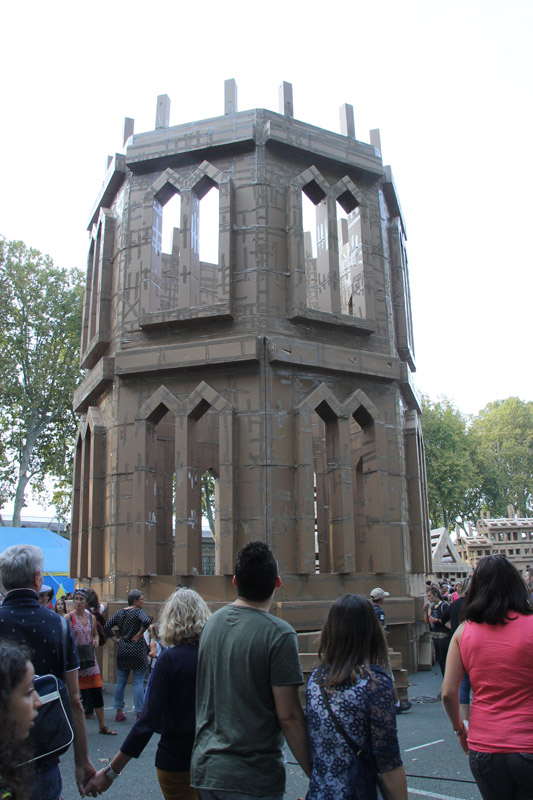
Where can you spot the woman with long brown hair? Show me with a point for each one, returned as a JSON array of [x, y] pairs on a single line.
[[350, 708]]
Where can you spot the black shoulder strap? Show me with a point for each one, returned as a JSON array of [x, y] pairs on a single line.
[[64, 630], [338, 725]]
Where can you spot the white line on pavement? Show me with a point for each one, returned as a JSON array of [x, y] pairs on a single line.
[[420, 746]]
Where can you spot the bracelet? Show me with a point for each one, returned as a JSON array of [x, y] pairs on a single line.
[[110, 773], [459, 731]]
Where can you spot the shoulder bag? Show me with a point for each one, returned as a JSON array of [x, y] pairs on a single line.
[[86, 652], [380, 792], [52, 733]]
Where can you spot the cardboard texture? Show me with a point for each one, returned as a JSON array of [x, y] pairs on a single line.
[[284, 374]]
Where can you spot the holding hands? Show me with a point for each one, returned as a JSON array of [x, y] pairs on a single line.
[[98, 784]]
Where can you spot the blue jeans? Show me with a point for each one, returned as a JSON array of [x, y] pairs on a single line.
[[464, 690], [138, 688], [48, 784]]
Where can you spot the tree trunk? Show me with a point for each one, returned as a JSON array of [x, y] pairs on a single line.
[[24, 477], [22, 483]]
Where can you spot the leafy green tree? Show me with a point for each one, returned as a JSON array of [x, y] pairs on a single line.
[[502, 437], [208, 500], [40, 326], [452, 473]]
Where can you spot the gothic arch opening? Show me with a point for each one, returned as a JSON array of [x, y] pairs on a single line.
[[203, 480], [204, 445], [365, 445], [87, 521], [320, 282], [160, 484], [325, 507]]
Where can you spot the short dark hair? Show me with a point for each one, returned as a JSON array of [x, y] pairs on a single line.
[[352, 638], [256, 571], [496, 589], [134, 595]]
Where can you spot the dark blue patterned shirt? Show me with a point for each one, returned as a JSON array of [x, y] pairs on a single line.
[[366, 711], [24, 620]]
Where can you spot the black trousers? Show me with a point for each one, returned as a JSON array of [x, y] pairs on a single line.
[[441, 650], [91, 699], [503, 776]]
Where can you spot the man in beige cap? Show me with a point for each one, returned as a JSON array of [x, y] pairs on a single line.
[[378, 596]]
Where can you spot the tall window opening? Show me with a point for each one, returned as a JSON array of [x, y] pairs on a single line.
[[208, 245], [321, 504], [358, 488], [326, 478], [209, 511], [208, 501], [204, 427], [170, 224], [350, 256], [166, 222], [309, 226], [314, 221], [363, 450], [161, 484], [209, 215]]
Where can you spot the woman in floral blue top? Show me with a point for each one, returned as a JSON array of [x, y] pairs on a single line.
[[353, 652]]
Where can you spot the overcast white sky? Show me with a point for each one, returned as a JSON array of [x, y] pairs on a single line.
[[449, 85]]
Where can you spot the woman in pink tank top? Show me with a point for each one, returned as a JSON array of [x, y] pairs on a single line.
[[494, 645]]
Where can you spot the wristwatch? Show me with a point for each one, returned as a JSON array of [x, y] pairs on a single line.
[[110, 773], [459, 731]]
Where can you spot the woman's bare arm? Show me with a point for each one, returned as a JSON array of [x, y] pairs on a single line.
[[395, 783], [450, 686]]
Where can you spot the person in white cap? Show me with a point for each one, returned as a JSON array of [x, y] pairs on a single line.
[[377, 596], [45, 596]]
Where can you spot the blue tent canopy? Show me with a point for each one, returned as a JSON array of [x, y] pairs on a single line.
[[55, 549]]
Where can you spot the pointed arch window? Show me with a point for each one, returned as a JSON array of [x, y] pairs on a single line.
[[183, 285], [325, 237]]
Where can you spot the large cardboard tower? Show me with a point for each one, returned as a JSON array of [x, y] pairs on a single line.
[[281, 367]]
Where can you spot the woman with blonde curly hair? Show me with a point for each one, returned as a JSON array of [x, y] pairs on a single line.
[[169, 706]]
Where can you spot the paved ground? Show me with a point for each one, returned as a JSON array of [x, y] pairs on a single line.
[[429, 749]]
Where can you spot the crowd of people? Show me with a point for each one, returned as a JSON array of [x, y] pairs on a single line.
[[223, 689]]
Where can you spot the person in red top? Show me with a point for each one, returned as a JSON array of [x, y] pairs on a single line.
[[495, 647]]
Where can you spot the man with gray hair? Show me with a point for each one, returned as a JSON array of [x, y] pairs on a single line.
[[24, 620]]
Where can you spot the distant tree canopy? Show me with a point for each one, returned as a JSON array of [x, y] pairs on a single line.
[[478, 464], [502, 436], [40, 326]]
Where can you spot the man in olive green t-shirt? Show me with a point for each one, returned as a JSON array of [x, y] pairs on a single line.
[[247, 690]]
